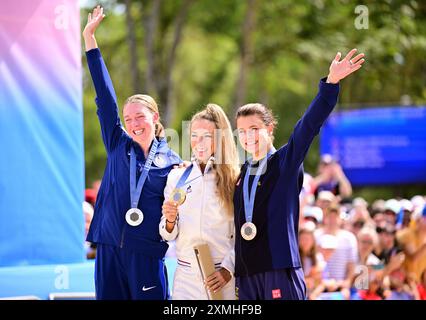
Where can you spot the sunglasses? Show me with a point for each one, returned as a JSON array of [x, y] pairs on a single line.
[[385, 230]]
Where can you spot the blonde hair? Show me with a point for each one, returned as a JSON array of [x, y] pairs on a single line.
[[226, 157], [148, 102]]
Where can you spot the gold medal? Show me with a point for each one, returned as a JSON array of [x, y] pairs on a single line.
[[178, 195]]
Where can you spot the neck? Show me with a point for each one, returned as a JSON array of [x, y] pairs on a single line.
[[262, 154], [145, 146], [202, 166]]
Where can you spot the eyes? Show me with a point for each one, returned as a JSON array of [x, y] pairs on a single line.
[[204, 136], [140, 117], [251, 131]]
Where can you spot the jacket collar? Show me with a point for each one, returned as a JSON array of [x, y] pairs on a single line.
[[208, 167]]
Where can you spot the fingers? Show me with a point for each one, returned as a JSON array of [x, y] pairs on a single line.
[[356, 59], [360, 62], [89, 18], [211, 277], [186, 164], [170, 210], [171, 204], [217, 286], [98, 9], [98, 13], [350, 54], [355, 68], [338, 56], [215, 281], [101, 14]]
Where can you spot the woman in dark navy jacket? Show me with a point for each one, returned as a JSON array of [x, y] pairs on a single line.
[[266, 199], [130, 254]]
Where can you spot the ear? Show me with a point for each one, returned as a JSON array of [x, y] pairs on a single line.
[[270, 129], [155, 117]]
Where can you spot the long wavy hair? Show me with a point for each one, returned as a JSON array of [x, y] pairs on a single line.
[[226, 161]]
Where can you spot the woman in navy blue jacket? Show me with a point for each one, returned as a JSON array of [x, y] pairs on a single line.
[[130, 252], [266, 199]]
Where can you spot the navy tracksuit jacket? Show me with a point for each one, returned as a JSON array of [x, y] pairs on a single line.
[[130, 260]]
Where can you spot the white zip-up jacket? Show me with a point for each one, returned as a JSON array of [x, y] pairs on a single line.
[[202, 218]]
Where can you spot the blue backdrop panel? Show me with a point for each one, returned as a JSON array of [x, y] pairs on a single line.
[[378, 146], [41, 133], [42, 280]]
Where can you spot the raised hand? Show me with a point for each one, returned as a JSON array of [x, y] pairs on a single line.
[[341, 69], [93, 21]]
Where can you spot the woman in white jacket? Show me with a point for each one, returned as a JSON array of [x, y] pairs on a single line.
[[206, 215]]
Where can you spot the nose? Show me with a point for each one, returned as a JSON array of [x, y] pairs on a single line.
[[200, 140], [134, 122]]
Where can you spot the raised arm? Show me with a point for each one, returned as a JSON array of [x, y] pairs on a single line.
[[106, 99], [93, 21], [310, 124]]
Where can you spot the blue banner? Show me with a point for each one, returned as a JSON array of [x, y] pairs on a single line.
[[41, 133], [378, 146]]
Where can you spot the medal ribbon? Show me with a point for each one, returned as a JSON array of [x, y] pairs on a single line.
[[136, 190], [249, 197]]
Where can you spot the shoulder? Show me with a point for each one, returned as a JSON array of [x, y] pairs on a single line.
[[174, 175], [173, 157], [165, 152]]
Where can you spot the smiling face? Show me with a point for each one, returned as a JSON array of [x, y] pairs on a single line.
[[140, 123], [202, 139], [254, 135]]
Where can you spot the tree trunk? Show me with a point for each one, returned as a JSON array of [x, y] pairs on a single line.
[[131, 40], [169, 106], [246, 53], [150, 24]]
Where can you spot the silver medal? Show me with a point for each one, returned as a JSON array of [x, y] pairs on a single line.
[[134, 217], [248, 231]]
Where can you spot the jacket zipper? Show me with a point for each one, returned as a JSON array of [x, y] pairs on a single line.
[[202, 205]]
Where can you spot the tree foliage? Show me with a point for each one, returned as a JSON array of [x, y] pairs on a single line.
[[292, 44]]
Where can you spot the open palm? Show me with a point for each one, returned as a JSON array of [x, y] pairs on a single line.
[[340, 69], [93, 21]]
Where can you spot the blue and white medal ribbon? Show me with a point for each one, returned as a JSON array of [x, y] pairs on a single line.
[[179, 195], [248, 229], [134, 216]]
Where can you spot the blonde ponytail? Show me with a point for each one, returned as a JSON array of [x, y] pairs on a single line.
[[226, 157]]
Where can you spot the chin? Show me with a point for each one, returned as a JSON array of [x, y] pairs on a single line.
[[252, 150], [201, 159]]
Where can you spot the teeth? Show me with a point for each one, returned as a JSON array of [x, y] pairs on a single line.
[[138, 132]]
